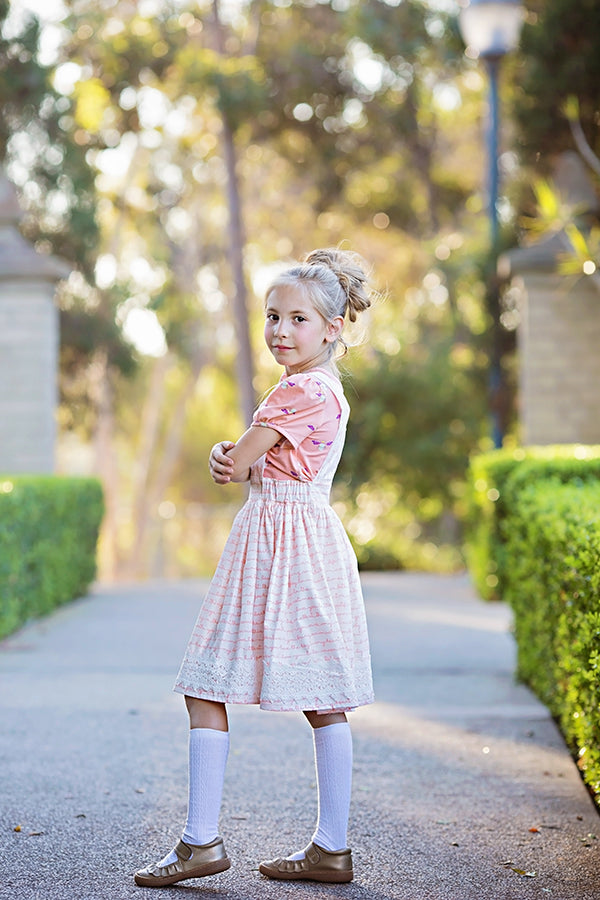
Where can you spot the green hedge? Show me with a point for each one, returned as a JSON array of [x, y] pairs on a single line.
[[534, 541], [495, 481], [552, 582], [48, 534]]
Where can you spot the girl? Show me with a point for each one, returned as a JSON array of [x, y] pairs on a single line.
[[283, 622]]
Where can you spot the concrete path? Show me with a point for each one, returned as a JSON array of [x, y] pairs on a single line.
[[463, 787]]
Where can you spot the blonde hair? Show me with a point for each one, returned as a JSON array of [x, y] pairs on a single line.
[[334, 281]]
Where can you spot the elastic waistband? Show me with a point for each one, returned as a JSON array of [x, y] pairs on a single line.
[[296, 491]]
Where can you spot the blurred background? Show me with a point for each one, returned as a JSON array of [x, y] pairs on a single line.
[[173, 154]]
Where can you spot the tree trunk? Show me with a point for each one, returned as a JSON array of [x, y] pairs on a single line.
[[244, 362], [105, 463], [174, 438], [164, 475], [149, 430]]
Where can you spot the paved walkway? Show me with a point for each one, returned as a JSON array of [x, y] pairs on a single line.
[[463, 788]]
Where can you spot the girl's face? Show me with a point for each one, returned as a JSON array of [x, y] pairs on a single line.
[[296, 334]]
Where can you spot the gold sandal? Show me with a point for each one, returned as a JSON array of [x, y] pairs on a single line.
[[318, 865], [193, 861]]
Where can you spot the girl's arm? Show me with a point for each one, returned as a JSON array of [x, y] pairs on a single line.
[[231, 462], [250, 447]]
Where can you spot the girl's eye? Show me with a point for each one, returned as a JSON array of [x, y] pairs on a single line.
[[272, 317], [300, 319]]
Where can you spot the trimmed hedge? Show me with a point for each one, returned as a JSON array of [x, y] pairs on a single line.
[[534, 540], [48, 534], [552, 582], [495, 481]]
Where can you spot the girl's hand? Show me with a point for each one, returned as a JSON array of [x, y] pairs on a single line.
[[219, 464]]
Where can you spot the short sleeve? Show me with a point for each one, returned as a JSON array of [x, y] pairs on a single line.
[[295, 408]]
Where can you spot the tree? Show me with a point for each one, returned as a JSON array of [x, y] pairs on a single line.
[[556, 110], [560, 58], [353, 123]]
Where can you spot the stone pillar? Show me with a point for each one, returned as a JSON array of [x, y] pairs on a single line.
[[558, 338], [29, 336]]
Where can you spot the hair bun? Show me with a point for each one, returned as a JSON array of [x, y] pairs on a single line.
[[348, 267]]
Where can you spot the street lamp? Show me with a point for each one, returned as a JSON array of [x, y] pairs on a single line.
[[491, 29]]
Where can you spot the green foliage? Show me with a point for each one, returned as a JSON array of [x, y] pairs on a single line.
[[239, 82], [495, 482], [552, 581], [40, 154], [355, 123], [556, 110], [44, 142], [560, 58], [379, 145], [483, 549], [401, 427], [554, 216], [534, 540], [48, 533], [415, 418]]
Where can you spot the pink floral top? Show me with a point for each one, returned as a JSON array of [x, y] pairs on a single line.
[[307, 415]]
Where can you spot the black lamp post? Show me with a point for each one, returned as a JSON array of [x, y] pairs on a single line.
[[491, 29]]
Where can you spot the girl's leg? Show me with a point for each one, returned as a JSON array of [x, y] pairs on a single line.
[[207, 714], [326, 858], [333, 762], [201, 851], [208, 750], [207, 756]]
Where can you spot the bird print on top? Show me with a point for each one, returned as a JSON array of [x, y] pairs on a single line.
[[307, 414]]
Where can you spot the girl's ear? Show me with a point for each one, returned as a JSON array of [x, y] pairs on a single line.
[[334, 329]]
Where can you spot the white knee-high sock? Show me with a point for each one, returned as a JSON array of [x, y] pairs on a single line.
[[333, 761], [208, 750]]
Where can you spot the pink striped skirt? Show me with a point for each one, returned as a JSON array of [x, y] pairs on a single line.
[[283, 623]]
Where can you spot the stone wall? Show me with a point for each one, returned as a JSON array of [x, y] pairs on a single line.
[[28, 366], [29, 337], [559, 335], [559, 359]]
